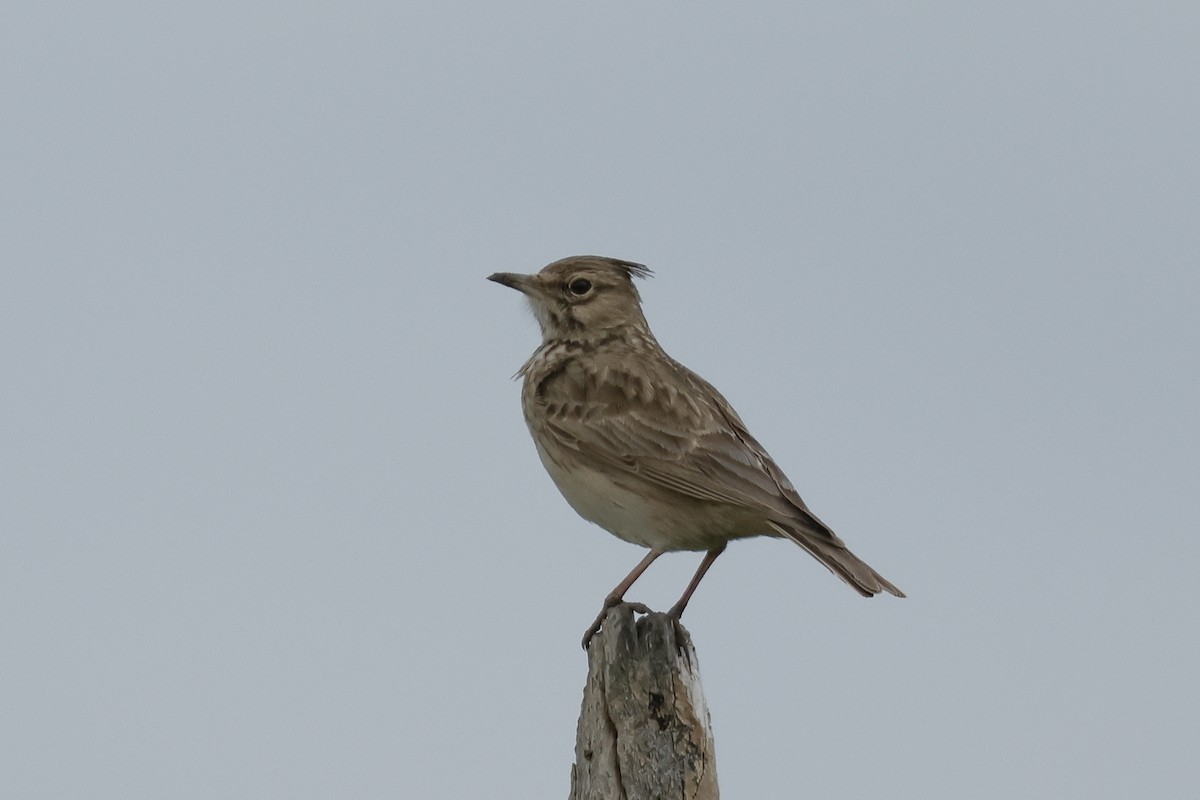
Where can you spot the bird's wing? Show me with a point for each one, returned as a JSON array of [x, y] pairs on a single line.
[[665, 424]]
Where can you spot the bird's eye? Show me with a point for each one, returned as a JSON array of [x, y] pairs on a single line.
[[580, 286]]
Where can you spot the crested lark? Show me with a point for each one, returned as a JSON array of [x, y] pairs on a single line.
[[644, 447]]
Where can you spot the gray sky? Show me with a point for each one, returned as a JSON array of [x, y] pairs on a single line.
[[271, 524]]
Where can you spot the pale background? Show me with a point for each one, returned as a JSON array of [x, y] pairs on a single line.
[[271, 525]]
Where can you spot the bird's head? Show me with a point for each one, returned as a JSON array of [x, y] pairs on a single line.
[[582, 296]]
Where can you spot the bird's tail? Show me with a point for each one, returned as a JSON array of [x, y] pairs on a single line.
[[827, 548]]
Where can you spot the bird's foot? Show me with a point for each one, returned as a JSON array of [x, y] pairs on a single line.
[[594, 628]]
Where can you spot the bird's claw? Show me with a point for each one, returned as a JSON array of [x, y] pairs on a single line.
[[598, 623]]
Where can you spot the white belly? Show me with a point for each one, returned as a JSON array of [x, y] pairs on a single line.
[[656, 518]]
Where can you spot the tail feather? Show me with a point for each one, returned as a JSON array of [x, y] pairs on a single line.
[[830, 551]]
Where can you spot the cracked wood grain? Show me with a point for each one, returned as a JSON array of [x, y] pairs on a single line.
[[644, 731]]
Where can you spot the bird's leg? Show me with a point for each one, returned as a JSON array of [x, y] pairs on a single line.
[[677, 610], [618, 594]]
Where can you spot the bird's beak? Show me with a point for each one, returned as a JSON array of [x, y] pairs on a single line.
[[514, 280]]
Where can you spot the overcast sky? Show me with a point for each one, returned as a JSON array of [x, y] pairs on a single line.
[[270, 521]]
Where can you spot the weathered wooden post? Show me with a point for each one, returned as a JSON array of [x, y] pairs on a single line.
[[644, 731]]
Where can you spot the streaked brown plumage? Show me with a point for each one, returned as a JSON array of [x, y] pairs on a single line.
[[641, 445]]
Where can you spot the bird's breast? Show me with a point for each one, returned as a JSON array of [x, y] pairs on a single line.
[[645, 514]]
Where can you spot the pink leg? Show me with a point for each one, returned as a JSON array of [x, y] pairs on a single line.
[[709, 557], [618, 594]]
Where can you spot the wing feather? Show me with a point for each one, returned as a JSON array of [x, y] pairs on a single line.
[[661, 422]]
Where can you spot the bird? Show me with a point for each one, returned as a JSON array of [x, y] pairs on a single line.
[[642, 446]]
